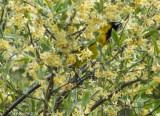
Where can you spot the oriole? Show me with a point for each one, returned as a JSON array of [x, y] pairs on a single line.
[[102, 40]]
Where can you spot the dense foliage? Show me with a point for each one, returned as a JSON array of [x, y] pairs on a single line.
[[37, 38]]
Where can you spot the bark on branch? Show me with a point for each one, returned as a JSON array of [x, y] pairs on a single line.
[[18, 101]]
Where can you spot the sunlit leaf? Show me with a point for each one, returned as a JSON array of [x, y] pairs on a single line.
[[85, 99]]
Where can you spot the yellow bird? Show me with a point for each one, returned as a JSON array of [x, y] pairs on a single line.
[[102, 40]]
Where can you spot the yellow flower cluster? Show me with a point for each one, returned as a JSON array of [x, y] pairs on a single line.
[[71, 59], [145, 112], [4, 45], [37, 30], [62, 43], [69, 86], [85, 54], [5, 97], [157, 19], [60, 80], [50, 59], [83, 9]]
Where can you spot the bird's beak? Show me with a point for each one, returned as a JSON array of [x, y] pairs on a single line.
[[118, 24]]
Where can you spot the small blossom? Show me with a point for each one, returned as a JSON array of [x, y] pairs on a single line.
[[51, 59], [85, 54]]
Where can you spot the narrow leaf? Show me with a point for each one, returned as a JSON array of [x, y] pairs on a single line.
[[23, 60], [115, 37], [33, 105], [12, 36], [99, 48], [57, 5], [150, 33], [122, 39], [49, 5], [1, 32], [1, 97], [101, 5], [39, 106], [94, 94], [85, 99], [155, 45]]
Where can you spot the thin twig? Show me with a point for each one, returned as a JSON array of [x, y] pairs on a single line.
[[15, 108], [124, 25], [35, 7], [48, 96], [80, 31], [100, 102], [55, 90], [65, 93], [138, 62], [32, 43], [18, 101], [115, 56], [153, 111], [9, 85], [1, 20], [29, 3], [31, 39], [50, 32]]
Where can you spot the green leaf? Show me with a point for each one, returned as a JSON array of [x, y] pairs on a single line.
[[155, 45], [125, 99], [65, 104], [70, 2], [142, 100], [23, 60], [115, 37], [150, 33], [40, 2], [94, 94], [138, 10], [49, 5], [127, 112], [4, 2], [122, 39], [117, 80], [97, 35], [12, 36], [1, 32], [45, 47], [33, 105], [99, 48], [101, 5], [58, 4], [1, 97], [31, 53], [63, 61], [39, 106], [85, 99], [97, 6], [7, 69], [65, 4]]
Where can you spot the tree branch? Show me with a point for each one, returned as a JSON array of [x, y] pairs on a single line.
[[152, 111], [31, 41], [16, 109], [66, 92], [100, 102], [20, 99], [48, 31], [77, 32], [48, 95], [9, 85], [1, 20]]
